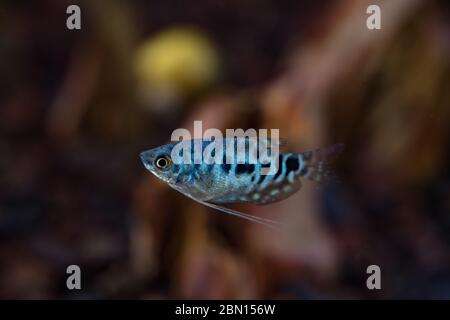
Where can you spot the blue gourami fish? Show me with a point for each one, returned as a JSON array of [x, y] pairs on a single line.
[[224, 183]]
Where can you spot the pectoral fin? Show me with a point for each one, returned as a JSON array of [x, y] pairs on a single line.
[[267, 222]]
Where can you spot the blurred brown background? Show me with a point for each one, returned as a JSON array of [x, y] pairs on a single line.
[[77, 107]]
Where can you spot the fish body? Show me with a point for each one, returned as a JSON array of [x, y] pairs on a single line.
[[225, 183], [238, 182]]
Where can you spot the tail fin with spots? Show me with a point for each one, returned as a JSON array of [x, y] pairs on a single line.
[[316, 163]]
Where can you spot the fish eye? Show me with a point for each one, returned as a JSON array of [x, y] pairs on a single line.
[[163, 162]]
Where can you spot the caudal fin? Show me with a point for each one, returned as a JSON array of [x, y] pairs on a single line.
[[316, 163]]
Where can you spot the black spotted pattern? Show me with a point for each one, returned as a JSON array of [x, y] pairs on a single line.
[[292, 164], [240, 168], [245, 168], [226, 167], [280, 167], [261, 178]]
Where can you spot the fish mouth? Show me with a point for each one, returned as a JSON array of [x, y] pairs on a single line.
[[142, 156], [146, 159]]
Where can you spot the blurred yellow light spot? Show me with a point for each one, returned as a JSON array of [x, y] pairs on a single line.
[[178, 61]]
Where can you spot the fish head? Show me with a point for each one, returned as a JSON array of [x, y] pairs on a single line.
[[159, 162]]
